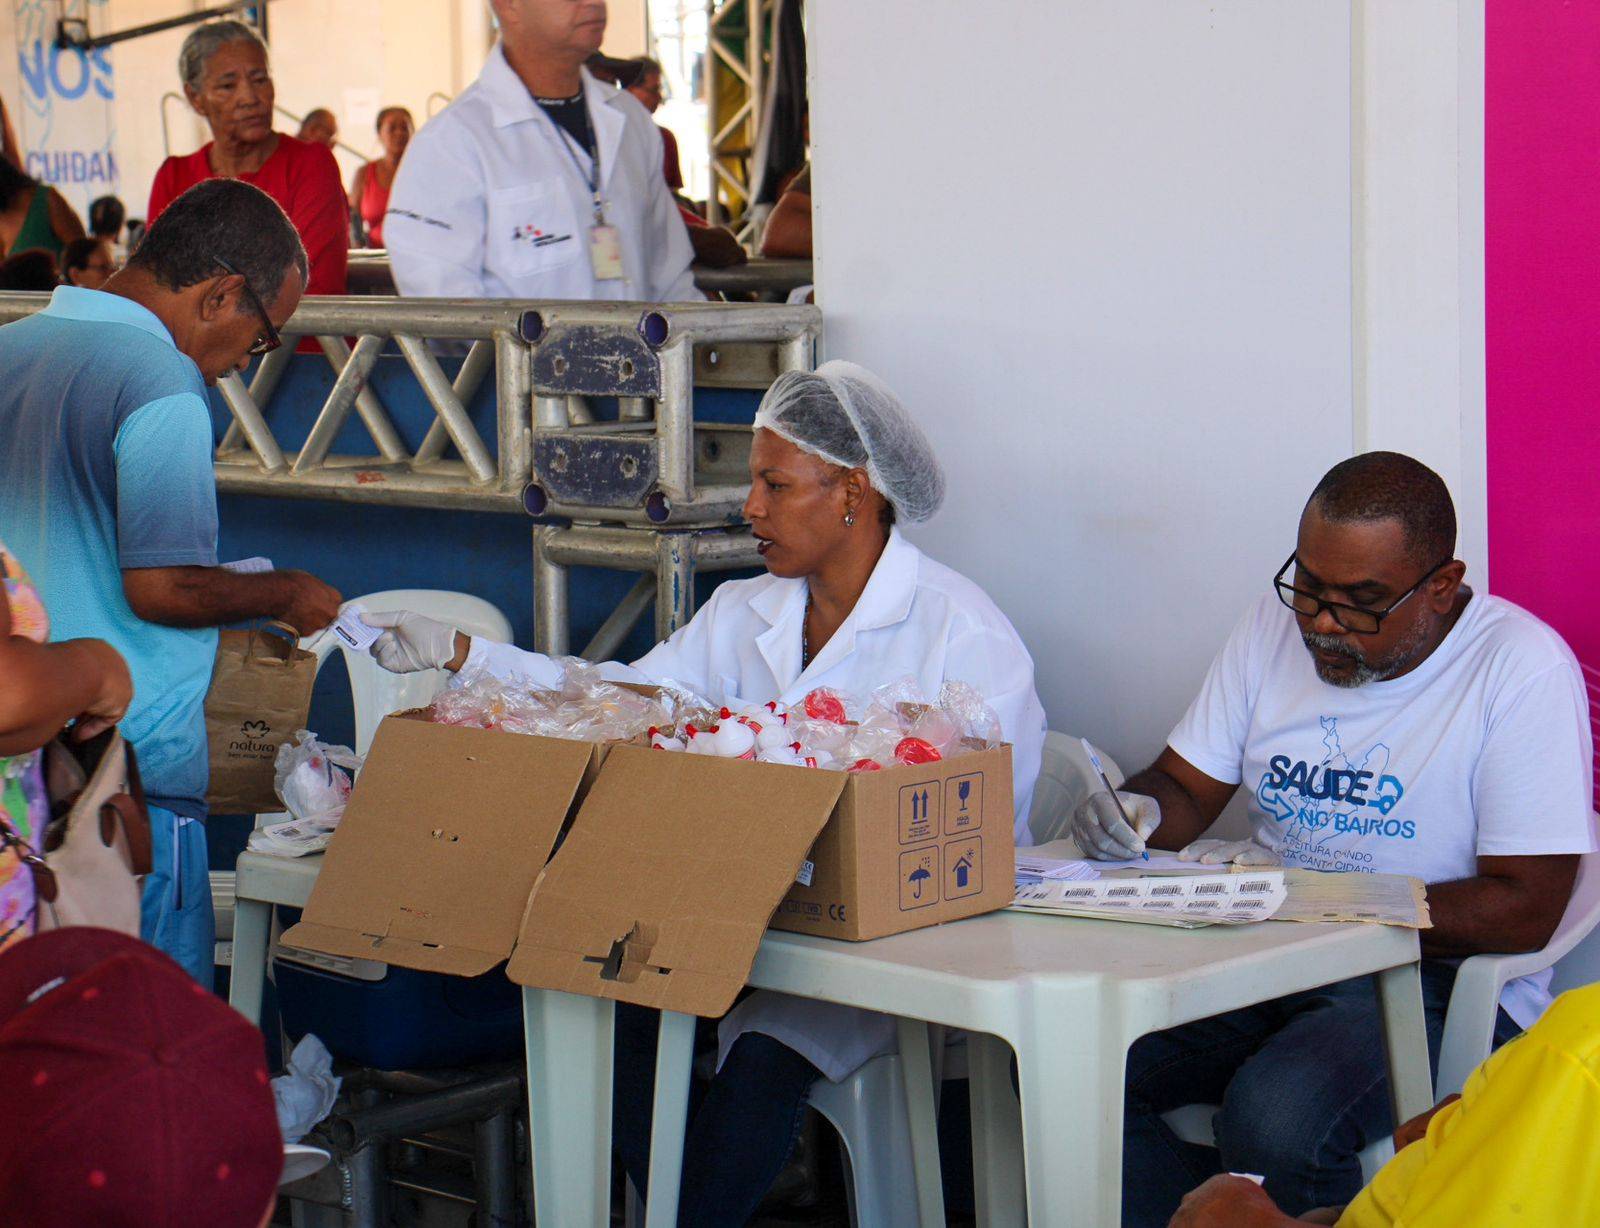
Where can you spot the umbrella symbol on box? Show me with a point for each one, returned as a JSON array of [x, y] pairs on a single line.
[[916, 878]]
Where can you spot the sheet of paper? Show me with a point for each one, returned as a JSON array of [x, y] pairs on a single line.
[[248, 567], [1164, 863], [1228, 899], [1377, 899], [297, 838], [1064, 869], [1136, 918]]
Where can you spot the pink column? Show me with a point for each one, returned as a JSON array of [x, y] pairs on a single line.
[[1542, 292]]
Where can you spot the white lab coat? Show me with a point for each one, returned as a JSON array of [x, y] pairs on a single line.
[[489, 201], [916, 617]]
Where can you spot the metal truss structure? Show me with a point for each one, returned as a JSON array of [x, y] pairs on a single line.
[[650, 490]]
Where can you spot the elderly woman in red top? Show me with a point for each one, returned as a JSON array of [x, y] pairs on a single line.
[[226, 80]]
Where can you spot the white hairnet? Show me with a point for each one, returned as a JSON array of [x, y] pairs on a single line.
[[847, 416]]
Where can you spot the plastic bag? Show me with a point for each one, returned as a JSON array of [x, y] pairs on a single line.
[[978, 723], [313, 779], [587, 708], [306, 1094]]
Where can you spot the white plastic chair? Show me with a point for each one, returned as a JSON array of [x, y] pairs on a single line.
[[261, 881], [868, 1112], [1474, 1002], [1065, 779], [1470, 1018], [375, 690], [868, 1108]]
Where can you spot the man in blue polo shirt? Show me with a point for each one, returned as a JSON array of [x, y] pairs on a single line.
[[108, 498]]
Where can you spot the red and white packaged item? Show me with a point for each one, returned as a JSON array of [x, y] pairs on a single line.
[[731, 740], [824, 704]]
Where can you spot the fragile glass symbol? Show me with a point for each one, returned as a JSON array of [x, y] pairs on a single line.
[[964, 791]]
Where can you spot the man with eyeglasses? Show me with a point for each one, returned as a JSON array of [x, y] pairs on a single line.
[[1381, 717], [108, 496]]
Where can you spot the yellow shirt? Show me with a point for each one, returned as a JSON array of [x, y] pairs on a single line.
[[1518, 1149]]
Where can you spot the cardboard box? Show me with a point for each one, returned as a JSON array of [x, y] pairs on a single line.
[[439, 847], [671, 869], [664, 886], [909, 847]]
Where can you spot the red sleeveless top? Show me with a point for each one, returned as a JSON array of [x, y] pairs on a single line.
[[374, 204]]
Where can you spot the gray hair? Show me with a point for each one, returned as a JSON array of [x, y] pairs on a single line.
[[225, 218], [205, 41]]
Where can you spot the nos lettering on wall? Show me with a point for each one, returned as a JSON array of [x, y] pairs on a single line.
[[65, 122]]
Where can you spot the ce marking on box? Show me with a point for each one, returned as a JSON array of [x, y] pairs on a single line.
[[836, 913]]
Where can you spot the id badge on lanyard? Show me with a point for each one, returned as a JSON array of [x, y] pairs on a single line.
[[605, 240], [605, 248]]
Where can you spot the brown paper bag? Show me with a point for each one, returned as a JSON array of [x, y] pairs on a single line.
[[260, 695]]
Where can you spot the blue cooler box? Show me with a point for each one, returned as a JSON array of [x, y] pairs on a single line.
[[391, 1018]]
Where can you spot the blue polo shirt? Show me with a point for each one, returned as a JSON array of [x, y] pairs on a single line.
[[106, 463]]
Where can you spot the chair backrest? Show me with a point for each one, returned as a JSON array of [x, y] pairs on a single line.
[[1576, 943], [375, 690], [1065, 779]]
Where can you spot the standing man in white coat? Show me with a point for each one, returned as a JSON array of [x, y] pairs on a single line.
[[539, 182], [848, 603]]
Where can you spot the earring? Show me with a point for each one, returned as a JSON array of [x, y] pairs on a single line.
[[849, 520]]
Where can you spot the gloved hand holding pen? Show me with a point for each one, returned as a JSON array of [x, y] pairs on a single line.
[[1100, 831]]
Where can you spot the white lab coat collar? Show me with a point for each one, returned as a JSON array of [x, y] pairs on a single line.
[[884, 602], [511, 103]]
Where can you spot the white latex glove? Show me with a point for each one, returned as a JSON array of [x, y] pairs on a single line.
[[1221, 852], [411, 642], [1100, 833]]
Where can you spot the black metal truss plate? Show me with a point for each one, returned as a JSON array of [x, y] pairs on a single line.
[[595, 470], [595, 360]]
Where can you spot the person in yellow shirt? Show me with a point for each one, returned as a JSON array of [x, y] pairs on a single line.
[[1515, 1151]]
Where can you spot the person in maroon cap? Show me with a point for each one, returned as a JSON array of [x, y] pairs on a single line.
[[134, 1098]]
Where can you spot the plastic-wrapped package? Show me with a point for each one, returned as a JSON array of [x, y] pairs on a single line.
[[899, 725], [896, 725], [823, 739], [825, 704], [916, 750], [977, 721], [314, 779], [587, 708]]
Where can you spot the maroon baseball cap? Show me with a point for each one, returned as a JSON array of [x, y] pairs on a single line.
[[134, 1097]]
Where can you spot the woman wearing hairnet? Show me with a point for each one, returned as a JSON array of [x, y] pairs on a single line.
[[835, 464]]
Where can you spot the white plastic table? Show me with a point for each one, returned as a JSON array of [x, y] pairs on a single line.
[[1068, 996], [260, 882]]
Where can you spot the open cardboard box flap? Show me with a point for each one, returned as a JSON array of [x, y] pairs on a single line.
[[665, 883], [444, 835]]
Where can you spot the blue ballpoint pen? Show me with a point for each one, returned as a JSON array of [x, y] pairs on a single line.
[[1094, 762]]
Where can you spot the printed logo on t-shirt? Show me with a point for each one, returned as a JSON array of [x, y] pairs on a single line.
[[1343, 794]]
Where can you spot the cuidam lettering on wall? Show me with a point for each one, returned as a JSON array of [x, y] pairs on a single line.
[[65, 121], [1321, 806]]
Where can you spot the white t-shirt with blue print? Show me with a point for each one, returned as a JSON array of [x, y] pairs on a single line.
[[1482, 750]]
